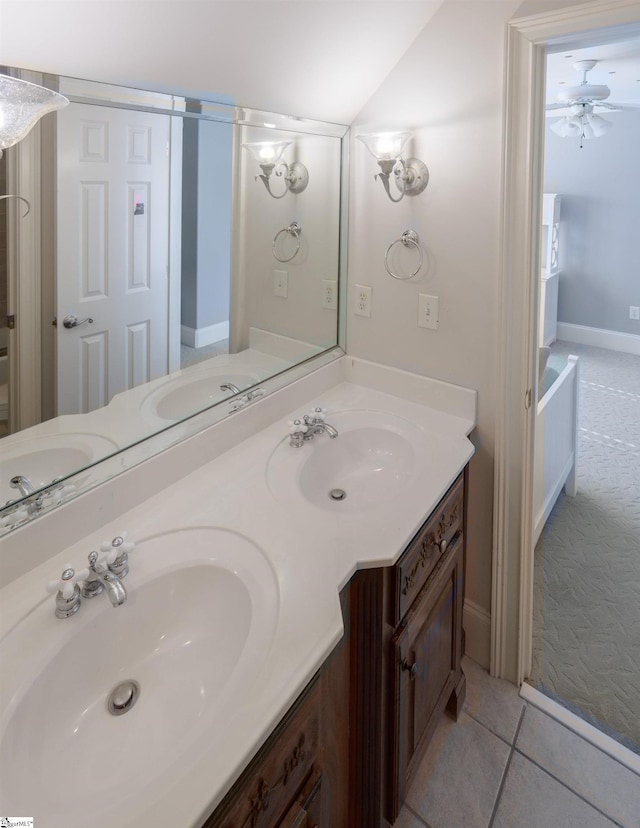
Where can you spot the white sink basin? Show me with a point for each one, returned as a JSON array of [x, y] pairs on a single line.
[[183, 397], [201, 611], [371, 462], [46, 457]]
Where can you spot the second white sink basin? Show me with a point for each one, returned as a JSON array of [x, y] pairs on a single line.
[[189, 394], [48, 456], [201, 611], [371, 461]]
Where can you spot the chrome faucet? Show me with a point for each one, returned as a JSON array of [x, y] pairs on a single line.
[[229, 386], [25, 487], [311, 424], [100, 578]]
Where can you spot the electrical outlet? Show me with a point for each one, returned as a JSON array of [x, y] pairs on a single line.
[[428, 311], [329, 294], [280, 283], [634, 312], [363, 300]]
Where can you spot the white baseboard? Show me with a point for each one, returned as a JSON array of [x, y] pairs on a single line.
[[199, 337], [477, 629], [600, 338], [596, 737]]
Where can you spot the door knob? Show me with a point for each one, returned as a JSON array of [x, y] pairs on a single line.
[[72, 321]]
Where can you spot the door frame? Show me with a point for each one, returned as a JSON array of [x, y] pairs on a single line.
[[527, 40]]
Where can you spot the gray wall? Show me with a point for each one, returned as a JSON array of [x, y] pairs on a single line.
[[600, 224], [206, 223]]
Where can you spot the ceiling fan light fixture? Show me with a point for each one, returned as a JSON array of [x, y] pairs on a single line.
[[599, 125]]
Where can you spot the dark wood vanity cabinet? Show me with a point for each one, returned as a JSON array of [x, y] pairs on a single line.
[[300, 777], [345, 754], [407, 645]]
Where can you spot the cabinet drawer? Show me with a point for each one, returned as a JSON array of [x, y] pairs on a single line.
[[425, 550], [273, 781]]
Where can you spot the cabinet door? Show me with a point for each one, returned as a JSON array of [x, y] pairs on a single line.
[[426, 668]]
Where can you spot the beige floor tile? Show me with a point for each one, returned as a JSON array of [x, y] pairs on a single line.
[[598, 778], [534, 799], [493, 702], [459, 778]]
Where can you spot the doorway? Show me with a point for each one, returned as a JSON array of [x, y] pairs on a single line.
[[528, 41]]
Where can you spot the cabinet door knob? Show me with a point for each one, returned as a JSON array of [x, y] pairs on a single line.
[[412, 668], [443, 545]]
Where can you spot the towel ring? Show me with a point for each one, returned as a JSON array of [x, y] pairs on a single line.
[[408, 238], [294, 229]]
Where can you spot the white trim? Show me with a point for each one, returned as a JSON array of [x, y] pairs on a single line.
[[199, 337], [476, 622], [601, 338], [592, 734], [512, 568]]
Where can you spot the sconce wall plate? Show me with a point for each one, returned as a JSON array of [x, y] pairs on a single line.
[[298, 177], [416, 176]]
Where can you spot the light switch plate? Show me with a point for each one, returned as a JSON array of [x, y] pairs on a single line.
[[428, 311]]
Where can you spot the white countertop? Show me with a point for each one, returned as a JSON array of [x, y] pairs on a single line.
[[314, 553]]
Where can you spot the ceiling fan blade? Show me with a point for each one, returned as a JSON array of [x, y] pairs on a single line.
[[611, 105], [563, 105]]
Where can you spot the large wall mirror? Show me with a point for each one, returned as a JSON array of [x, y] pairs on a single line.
[[177, 254]]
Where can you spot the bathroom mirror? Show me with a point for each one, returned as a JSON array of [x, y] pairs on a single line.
[[169, 263]]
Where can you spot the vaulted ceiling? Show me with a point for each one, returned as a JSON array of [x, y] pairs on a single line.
[[314, 58]]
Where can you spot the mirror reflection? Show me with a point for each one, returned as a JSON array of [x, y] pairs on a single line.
[[177, 253]]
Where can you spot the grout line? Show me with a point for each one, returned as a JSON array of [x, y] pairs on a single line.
[[506, 770], [416, 815], [486, 727], [568, 787]]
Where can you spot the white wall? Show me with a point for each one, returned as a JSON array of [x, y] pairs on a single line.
[[317, 209], [600, 220], [317, 58], [448, 89]]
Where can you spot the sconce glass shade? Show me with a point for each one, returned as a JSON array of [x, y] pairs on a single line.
[[385, 146], [22, 104], [267, 152]]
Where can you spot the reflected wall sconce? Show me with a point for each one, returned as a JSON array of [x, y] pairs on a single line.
[[22, 104], [268, 154], [411, 175]]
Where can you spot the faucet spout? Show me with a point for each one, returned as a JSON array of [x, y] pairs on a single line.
[[115, 589], [23, 484], [328, 429], [102, 578]]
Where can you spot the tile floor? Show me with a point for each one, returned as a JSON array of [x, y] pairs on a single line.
[[505, 764]]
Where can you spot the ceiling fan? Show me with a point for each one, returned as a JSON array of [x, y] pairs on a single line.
[[580, 103]]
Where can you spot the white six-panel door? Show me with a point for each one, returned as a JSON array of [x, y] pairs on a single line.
[[113, 252]]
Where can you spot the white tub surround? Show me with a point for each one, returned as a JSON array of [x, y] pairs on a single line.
[[313, 551]]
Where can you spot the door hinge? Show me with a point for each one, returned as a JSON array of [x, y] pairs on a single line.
[[11, 321], [528, 397]]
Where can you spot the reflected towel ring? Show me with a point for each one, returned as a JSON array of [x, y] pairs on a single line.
[[408, 238], [20, 198], [294, 229]]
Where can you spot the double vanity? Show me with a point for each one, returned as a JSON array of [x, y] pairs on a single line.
[[289, 630]]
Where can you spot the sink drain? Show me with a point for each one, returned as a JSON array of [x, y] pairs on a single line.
[[337, 494], [123, 696]]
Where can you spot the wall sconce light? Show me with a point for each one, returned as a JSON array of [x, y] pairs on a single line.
[[411, 175], [268, 155], [22, 104]]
